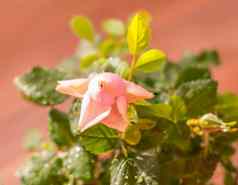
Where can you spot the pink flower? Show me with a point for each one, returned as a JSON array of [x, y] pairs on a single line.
[[105, 99]]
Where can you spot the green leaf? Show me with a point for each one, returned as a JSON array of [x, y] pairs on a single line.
[[107, 47], [146, 124], [99, 139], [118, 66], [227, 106], [138, 34], [74, 114], [43, 168], [123, 172], [154, 110], [80, 163], [179, 109], [205, 58], [191, 73], [151, 61], [141, 170], [59, 128], [200, 96], [87, 61], [114, 27], [39, 84], [70, 67], [82, 27], [32, 139], [132, 135]]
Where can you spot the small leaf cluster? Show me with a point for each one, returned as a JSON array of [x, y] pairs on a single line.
[[177, 138]]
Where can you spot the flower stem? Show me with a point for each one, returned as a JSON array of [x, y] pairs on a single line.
[[133, 62]]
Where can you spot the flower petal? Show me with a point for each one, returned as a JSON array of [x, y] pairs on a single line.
[[136, 92], [76, 87], [122, 107], [115, 120], [92, 113]]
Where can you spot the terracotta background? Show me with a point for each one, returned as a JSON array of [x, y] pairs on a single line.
[[36, 32]]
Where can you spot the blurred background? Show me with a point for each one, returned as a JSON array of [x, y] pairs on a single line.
[[37, 33]]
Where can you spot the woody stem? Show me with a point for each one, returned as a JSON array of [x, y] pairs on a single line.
[[133, 62]]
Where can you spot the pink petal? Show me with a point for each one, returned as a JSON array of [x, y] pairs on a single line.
[[92, 113], [115, 120], [122, 107], [76, 87], [136, 92]]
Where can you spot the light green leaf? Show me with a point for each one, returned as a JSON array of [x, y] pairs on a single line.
[[227, 106], [87, 61], [39, 84], [59, 128], [138, 34], [79, 163], [151, 61], [99, 139], [82, 27], [132, 135], [70, 66], [114, 27], [154, 110], [33, 139], [179, 109]]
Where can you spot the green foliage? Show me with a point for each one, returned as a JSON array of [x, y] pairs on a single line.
[[132, 135], [99, 139], [114, 27], [39, 84], [175, 138], [82, 27], [59, 128], [200, 96], [151, 61], [227, 106], [43, 168], [138, 33], [32, 139], [137, 170], [79, 163], [179, 108]]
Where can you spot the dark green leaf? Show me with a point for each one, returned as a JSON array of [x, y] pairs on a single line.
[[79, 163], [200, 96], [191, 73], [123, 172], [59, 128], [205, 58], [141, 170], [99, 139], [39, 84], [42, 169]]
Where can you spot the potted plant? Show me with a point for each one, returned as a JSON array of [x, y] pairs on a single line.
[[136, 117]]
